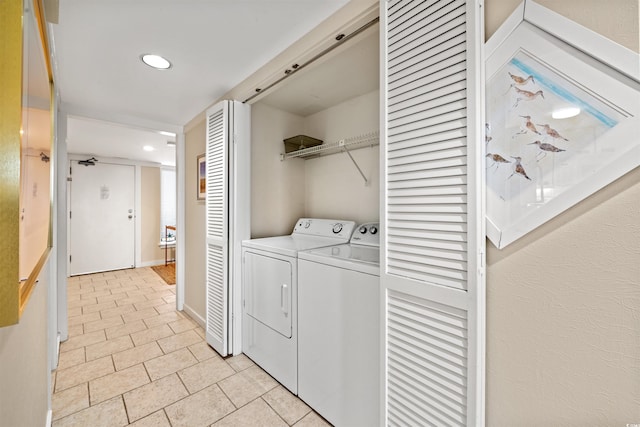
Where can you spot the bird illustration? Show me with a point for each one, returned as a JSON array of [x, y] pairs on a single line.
[[552, 132], [525, 95], [546, 148], [519, 169], [528, 126], [521, 80], [487, 139], [497, 159]]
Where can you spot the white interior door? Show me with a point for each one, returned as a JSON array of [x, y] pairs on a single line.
[[432, 261], [101, 218]]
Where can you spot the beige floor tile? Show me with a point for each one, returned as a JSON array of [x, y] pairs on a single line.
[[169, 363], [312, 420], [69, 401], [137, 315], [116, 294], [85, 372], [102, 324], [71, 358], [118, 311], [83, 340], [165, 308], [99, 306], [170, 299], [147, 304], [157, 419], [80, 302], [126, 329], [200, 331], [247, 385], [289, 407], [74, 331], [205, 373], [76, 311], [98, 292], [131, 300], [136, 355], [152, 334], [162, 319], [240, 362], [200, 409], [83, 318], [115, 384], [153, 396], [106, 414], [108, 347], [182, 325], [202, 351], [177, 341], [136, 292], [256, 413]]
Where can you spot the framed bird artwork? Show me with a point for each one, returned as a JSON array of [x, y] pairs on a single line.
[[562, 107]]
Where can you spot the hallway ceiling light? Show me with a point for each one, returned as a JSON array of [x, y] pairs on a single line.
[[155, 61], [148, 148]]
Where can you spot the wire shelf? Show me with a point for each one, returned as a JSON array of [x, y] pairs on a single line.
[[361, 141]]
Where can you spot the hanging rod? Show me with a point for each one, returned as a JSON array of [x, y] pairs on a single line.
[[341, 39]]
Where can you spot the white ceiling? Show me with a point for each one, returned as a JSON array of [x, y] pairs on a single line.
[[213, 45]]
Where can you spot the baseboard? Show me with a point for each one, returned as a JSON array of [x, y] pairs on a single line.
[[195, 316], [49, 418], [151, 263]]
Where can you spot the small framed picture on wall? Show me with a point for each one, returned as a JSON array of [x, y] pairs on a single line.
[[202, 177]]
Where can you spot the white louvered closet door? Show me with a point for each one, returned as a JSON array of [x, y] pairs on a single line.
[[433, 211], [217, 217]]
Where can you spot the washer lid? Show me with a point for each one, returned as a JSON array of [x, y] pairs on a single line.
[[348, 253], [292, 244]]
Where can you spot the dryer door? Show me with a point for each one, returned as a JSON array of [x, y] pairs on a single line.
[[268, 291]]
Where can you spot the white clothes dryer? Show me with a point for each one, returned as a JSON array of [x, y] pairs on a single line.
[[339, 328], [270, 294]]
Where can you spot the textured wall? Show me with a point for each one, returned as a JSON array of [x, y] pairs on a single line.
[[563, 330], [150, 202], [277, 187], [195, 243], [334, 187]]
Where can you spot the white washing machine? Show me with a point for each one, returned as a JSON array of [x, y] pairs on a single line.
[[339, 327], [270, 294]]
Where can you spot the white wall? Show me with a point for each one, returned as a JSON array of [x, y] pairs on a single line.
[[334, 187], [277, 187]]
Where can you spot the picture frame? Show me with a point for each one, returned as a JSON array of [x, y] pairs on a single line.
[[540, 159], [201, 181]]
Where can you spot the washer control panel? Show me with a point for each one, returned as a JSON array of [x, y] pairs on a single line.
[[367, 234], [325, 227]]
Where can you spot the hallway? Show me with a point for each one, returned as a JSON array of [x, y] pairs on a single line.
[[132, 359]]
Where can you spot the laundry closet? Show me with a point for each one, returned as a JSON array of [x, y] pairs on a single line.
[[334, 99]]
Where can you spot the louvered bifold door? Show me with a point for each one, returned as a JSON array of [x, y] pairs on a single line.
[[217, 226], [432, 259]]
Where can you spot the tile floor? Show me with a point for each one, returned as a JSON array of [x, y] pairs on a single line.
[[132, 359]]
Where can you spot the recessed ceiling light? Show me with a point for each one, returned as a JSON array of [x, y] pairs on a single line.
[[565, 113], [165, 133], [148, 148], [155, 61]]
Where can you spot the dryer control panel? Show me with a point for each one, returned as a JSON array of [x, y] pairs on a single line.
[[319, 227], [367, 234]]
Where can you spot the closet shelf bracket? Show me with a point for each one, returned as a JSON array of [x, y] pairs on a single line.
[[346, 150]]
